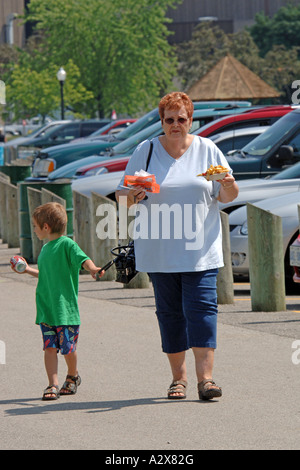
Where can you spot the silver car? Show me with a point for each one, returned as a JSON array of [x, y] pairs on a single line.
[[286, 207], [256, 189]]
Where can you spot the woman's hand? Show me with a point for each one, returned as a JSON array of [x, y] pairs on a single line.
[[229, 189], [133, 195]]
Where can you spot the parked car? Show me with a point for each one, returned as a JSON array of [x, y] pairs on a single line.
[[112, 127], [236, 139], [224, 140], [54, 159], [270, 152], [105, 184], [11, 147], [60, 155], [255, 189], [65, 133], [286, 207], [295, 259], [108, 166], [264, 116]]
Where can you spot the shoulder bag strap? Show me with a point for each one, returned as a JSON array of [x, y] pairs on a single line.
[[149, 154]]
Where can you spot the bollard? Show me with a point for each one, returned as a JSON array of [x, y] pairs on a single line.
[[81, 222], [266, 260], [3, 215], [12, 216], [34, 197], [103, 227], [225, 291], [62, 188], [49, 196]]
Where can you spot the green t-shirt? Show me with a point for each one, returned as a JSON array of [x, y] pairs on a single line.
[[59, 264]]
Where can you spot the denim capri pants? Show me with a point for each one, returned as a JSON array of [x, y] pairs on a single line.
[[186, 309]]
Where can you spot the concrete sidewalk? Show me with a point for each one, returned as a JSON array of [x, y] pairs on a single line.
[[121, 402]]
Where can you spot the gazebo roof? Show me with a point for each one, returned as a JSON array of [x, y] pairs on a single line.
[[230, 80]]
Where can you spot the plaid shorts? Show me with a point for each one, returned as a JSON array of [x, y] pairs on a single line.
[[63, 338]]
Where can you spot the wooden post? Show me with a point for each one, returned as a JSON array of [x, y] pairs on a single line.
[[12, 216], [48, 196], [3, 214], [266, 260], [81, 222], [103, 226], [225, 291], [34, 200]]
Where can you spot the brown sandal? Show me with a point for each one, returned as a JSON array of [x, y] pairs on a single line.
[[178, 386], [70, 388], [51, 393], [207, 389]]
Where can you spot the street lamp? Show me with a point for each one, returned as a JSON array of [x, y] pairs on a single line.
[[61, 76]]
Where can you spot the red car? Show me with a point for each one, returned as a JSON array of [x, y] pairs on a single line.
[[115, 126], [265, 116], [113, 164]]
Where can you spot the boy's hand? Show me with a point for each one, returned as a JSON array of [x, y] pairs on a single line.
[[97, 272], [94, 270], [20, 272]]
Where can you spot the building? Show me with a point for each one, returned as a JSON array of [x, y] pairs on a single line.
[[11, 29], [230, 15]]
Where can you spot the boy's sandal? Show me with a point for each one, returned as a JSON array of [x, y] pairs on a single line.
[[70, 388], [51, 393], [207, 389], [178, 386]]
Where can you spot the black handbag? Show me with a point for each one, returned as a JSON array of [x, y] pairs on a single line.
[[124, 255]]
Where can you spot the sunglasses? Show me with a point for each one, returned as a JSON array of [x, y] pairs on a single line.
[[170, 121]]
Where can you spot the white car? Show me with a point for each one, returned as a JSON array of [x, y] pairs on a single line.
[[236, 139], [256, 189], [286, 207], [105, 184]]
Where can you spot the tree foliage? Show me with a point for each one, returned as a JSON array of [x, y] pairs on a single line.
[[283, 29], [120, 48]]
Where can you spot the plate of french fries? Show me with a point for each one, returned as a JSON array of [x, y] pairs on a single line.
[[217, 172]]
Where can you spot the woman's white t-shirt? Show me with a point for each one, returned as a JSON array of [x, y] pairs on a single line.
[[178, 229]]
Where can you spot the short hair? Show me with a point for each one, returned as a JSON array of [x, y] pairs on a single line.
[[175, 100], [53, 214]]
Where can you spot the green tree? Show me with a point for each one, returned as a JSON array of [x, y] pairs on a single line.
[[196, 57], [282, 29], [120, 48], [30, 92]]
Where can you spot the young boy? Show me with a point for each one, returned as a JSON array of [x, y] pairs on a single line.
[[59, 263]]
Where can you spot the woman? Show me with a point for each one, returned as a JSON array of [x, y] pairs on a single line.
[[178, 240]]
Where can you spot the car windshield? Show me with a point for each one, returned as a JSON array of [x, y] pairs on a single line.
[[140, 124], [264, 142], [130, 144]]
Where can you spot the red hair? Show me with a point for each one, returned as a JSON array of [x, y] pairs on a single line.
[[176, 100]]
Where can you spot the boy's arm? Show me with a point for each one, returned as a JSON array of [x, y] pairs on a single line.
[[88, 265], [32, 271]]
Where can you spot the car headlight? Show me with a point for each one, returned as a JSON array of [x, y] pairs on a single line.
[[244, 228], [43, 166]]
